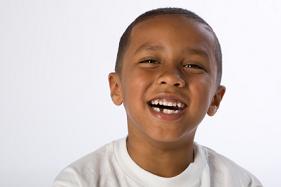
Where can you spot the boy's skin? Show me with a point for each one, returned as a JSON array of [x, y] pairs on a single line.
[[171, 58]]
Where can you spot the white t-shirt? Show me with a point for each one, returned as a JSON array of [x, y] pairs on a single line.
[[111, 166]]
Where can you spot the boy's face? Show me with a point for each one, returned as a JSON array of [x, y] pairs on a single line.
[[168, 78]]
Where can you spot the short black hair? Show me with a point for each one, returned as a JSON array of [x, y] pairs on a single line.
[[125, 38]]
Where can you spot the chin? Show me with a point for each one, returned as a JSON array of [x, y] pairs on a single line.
[[170, 138]]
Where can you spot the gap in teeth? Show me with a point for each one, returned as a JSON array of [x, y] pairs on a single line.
[[165, 111]]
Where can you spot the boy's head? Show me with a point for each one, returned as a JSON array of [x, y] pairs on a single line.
[[167, 75], [125, 38]]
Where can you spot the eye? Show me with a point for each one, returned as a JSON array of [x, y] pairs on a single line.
[[194, 67], [149, 61]]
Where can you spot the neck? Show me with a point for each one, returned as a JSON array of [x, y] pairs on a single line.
[[160, 158]]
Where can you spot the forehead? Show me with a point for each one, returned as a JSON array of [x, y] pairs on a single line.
[[172, 29]]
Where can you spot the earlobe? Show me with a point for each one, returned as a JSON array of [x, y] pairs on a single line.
[[115, 88], [216, 101], [212, 110]]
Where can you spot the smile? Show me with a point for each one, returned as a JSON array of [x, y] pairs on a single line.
[[166, 106]]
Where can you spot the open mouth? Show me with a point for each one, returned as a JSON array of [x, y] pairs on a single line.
[[167, 106]]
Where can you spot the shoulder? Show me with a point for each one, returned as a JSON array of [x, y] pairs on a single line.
[[87, 170], [224, 169]]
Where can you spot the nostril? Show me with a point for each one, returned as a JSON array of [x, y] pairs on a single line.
[[177, 84], [172, 79]]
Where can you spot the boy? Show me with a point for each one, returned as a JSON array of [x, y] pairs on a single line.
[[167, 76]]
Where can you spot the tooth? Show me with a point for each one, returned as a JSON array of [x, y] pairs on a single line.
[[174, 104], [180, 105], [167, 111], [160, 102], [156, 101], [156, 109], [170, 104], [165, 103]]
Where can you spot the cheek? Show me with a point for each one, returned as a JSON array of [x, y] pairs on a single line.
[[134, 96], [200, 93], [135, 87]]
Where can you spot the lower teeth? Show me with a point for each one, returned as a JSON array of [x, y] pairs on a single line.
[[165, 111], [156, 109]]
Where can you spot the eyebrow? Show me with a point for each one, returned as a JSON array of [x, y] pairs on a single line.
[[149, 47], [192, 51], [198, 52]]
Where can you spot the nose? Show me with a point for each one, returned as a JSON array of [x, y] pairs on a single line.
[[172, 77]]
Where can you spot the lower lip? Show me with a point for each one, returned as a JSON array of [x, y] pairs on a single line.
[[166, 117]]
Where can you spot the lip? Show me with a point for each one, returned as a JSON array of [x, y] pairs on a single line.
[[168, 117]]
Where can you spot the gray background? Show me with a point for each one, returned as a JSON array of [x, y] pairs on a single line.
[[55, 56]]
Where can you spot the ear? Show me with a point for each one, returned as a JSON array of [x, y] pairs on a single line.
[[115, 88], [216, 101]]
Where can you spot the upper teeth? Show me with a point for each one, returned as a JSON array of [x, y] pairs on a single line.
[[167, 103]]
